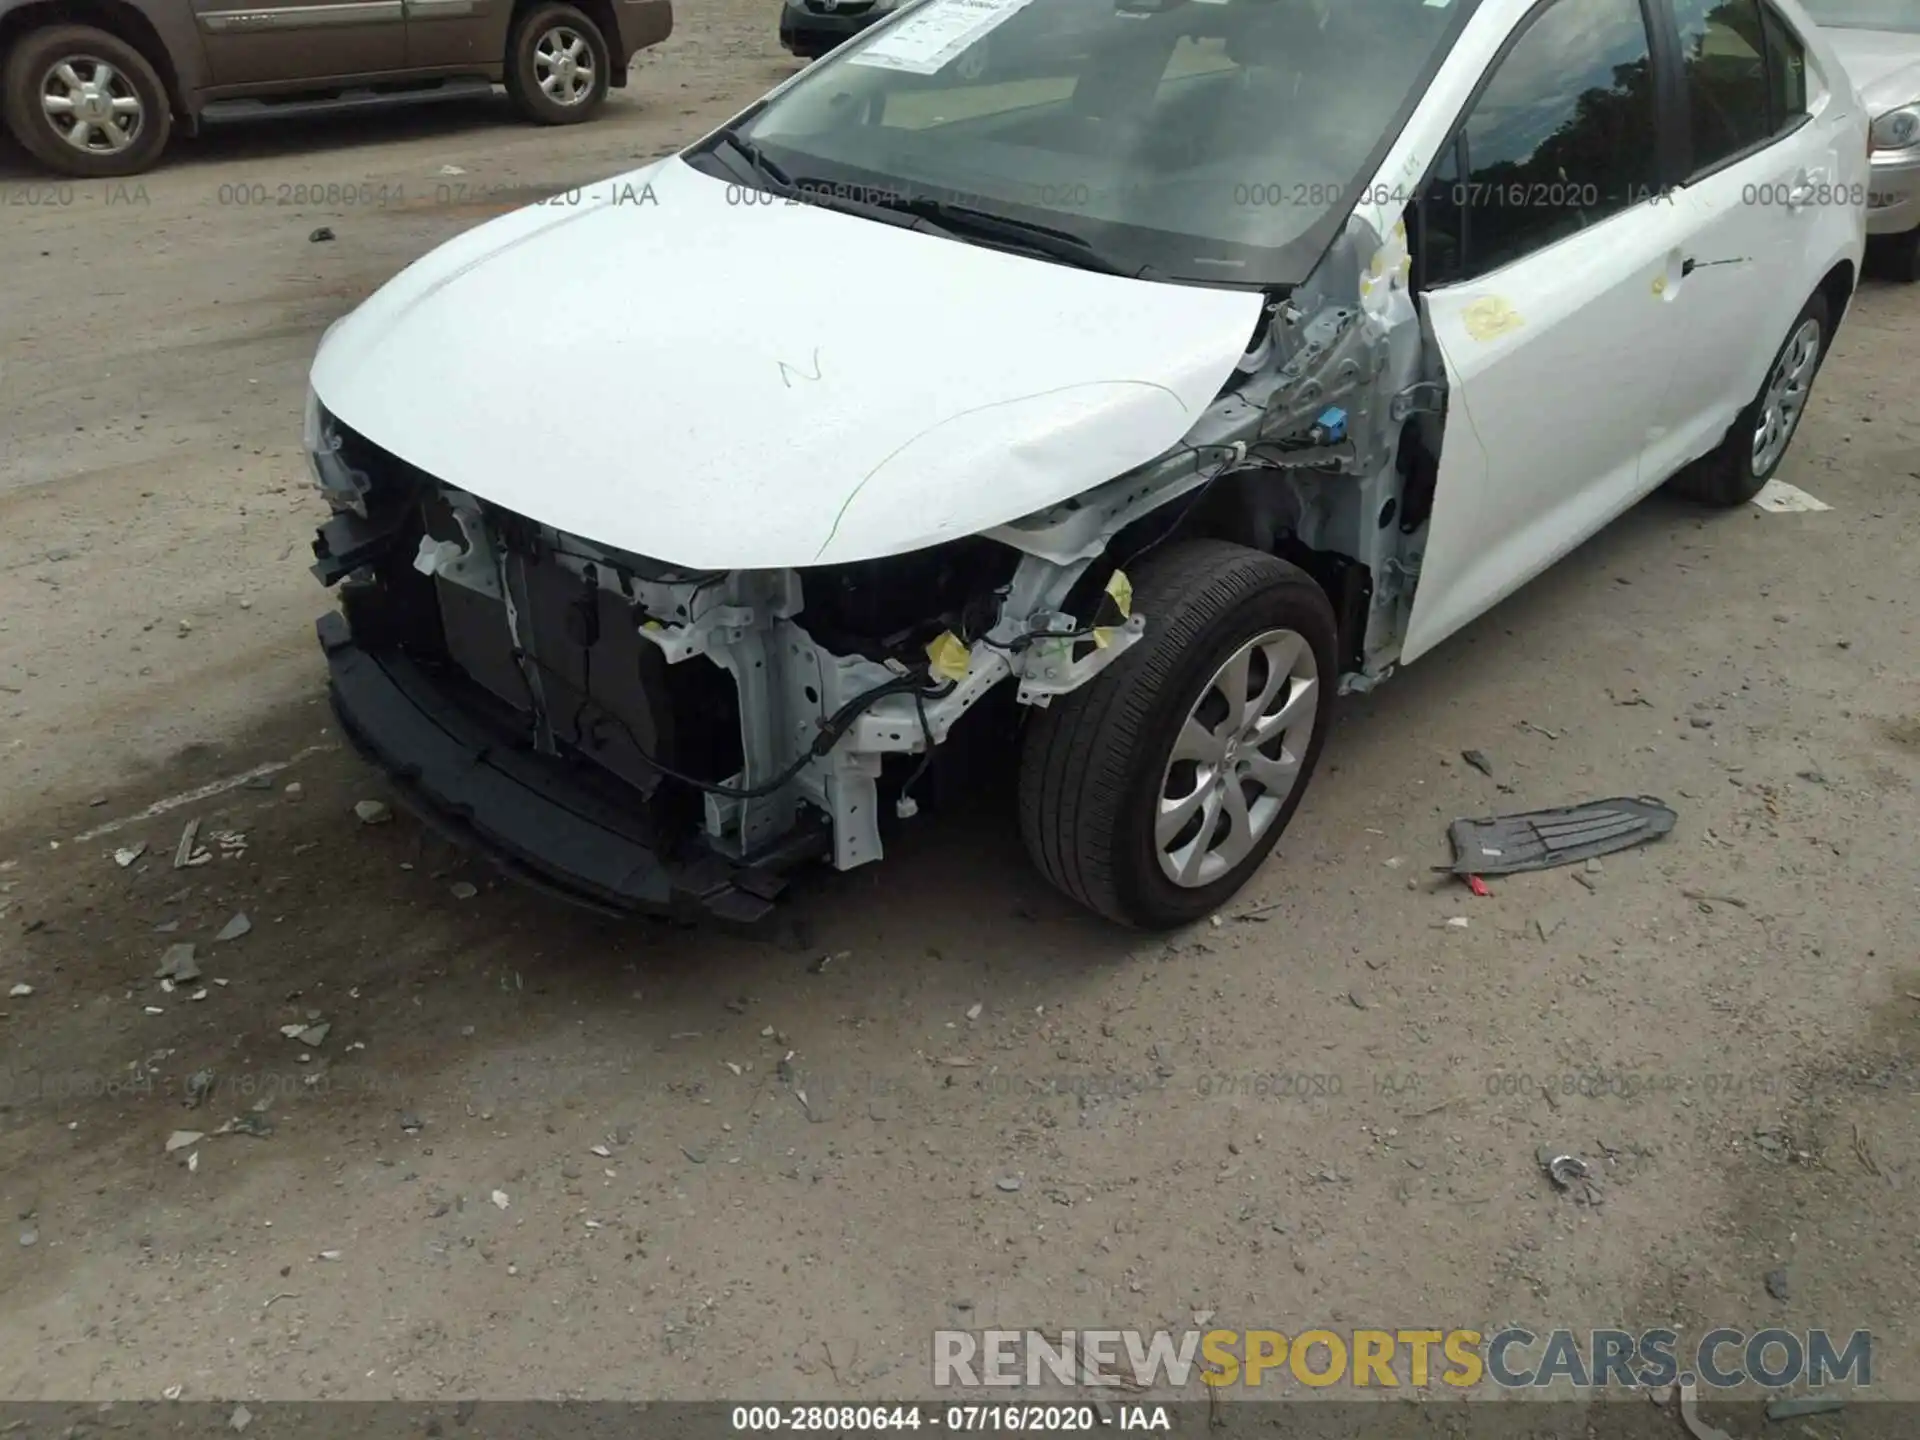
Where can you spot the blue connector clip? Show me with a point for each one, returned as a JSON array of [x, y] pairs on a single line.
[[1330, 428]]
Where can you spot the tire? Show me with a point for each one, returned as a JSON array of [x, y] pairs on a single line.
[[1096, 765], [558, 65], [123, 137], [1734, 473], [1901, 258]]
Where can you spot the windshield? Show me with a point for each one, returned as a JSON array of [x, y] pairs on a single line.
[[1900, 15], [1219, 141]]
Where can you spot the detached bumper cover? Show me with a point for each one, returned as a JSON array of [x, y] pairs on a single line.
[[536, 817]]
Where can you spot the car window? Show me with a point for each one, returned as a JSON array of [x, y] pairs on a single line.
[[1217, 142], [1722, 51], [1786, 70], [1561, 137]]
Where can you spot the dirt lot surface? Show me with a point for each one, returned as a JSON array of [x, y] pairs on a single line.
[[536, 1154]]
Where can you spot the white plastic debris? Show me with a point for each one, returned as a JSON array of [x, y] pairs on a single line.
[[181, 1139], [1457, 922], [602, 1151], [1780, 498], [373, 812], [974, 1010], [500, 1199], [127, 854], [20, 991]]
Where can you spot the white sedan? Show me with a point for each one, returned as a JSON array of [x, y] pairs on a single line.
[[1121, 400], [1878, 41]]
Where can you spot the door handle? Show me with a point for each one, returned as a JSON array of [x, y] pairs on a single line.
[[1800, 195]]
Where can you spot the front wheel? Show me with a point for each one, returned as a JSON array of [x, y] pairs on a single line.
[[1154, 792], [84, 102], [1757, 443], [558, 66]]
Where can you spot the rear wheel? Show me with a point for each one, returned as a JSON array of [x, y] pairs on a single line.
[[1758, 441], [84, 102], [1900, 257], [1154, 792], [558, 65]]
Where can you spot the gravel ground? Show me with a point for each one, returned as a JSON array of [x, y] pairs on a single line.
[[1324, 1114]]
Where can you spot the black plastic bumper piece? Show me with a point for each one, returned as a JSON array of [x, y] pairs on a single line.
[[347, 542], [537, 819], [1542, 839]]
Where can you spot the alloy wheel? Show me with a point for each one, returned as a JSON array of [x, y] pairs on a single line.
[[1785, 399], [1236, 758], [563, 65], [91, 105]]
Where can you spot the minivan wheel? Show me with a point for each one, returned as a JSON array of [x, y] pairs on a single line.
[[1758, 441], [84, 102], [557, 66], [1154, 792]]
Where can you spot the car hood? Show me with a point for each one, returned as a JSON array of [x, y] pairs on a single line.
[[1884, 65], [716, 378]]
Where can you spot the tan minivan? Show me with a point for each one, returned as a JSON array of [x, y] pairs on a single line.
[[99, 97]]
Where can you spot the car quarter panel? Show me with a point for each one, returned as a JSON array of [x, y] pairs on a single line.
[[643, 24], [182, 59]]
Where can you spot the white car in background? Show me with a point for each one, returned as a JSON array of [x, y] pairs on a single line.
[[1879, 43], [1237, 354]]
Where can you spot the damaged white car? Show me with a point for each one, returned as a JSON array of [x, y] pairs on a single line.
[[1146, 377]]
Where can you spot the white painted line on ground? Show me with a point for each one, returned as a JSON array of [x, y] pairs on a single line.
[[1780, 498], [204, 792]]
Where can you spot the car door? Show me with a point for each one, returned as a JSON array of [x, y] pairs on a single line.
[[458, 34], [278, 42], [1542, 256], [1760, 186]]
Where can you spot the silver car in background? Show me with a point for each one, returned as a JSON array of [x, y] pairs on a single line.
[[1878, 41]]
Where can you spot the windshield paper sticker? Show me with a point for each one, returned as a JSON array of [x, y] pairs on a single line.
[[922, 43]]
